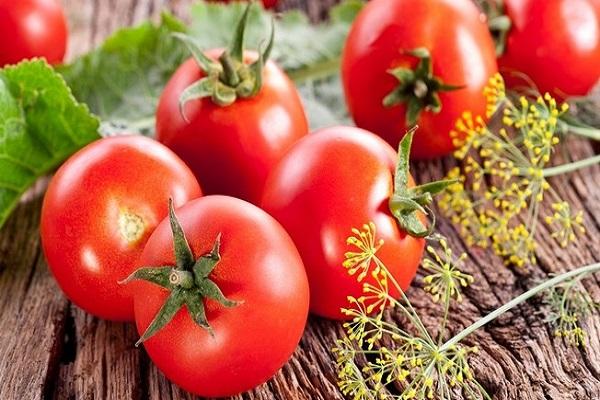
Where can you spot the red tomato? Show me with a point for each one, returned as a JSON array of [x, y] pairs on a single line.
[[100, 208], [32, 28], [259, 267], [232, 149], [555, 43], [330, 182], [462, 54]]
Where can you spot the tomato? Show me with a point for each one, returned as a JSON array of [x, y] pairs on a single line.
[[32, 28], [100, 209], [231, 142], [258, 271], [330, 182], [405, 36], [555, 43]]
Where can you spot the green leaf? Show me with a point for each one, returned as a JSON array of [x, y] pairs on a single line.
[[324, 103], [122, 80], [41, 124]]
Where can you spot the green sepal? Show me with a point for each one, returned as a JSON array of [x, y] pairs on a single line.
[[236, 48], [211, 291], [418, 88], [223, 95], [203, 88], [208, 65], [406, 203], [230, 77], [205, 264], [195, 307], [166, 313], [257, 66], [183, 253], [189, 282], [158, 275]]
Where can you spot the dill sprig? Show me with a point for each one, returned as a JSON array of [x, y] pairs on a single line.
[[378, 359], [414, 365], [496, 199], [569, 305]]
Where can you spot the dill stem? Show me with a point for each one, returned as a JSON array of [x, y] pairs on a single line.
[[590, 133], [589, 269], [570, 167]]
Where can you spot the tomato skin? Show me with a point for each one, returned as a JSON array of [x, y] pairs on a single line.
[[332, 181], [232, 149], [259, 266], [555, 43], [462, 53], [83, 220], [32, 28]]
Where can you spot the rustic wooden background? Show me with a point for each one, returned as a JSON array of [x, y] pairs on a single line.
[[50, 349]]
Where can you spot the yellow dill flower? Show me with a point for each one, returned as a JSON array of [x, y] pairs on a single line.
[[567, 224], [502, 181], [569, 303], [445, 279], [495, 94], [376, 354], [379, 359], [364, 241]]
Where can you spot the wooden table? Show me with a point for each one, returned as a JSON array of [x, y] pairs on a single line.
[[51, 349]]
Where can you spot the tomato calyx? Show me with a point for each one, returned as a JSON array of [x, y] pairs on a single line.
[[418, 87], [188, 282], [406, 203], [230, 77], [498, 22]]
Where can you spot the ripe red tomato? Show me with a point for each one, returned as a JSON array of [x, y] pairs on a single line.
[[32, 28], [330, 182], [555, 43], [232, 149], [259, 268], [100, 208], [462, 54]]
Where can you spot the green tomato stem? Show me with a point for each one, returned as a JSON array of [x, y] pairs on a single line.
[[589, 269], [570, 167]]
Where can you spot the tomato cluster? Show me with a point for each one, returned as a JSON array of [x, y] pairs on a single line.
[[221, 235]]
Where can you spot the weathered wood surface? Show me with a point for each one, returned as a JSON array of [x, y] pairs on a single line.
[[50, 349]]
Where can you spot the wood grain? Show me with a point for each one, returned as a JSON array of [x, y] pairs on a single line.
[[50, 349]]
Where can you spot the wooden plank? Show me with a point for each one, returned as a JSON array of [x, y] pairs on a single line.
[[50, 349]]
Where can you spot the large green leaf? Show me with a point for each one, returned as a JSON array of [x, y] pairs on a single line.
[[41, 124], [121, 81], [304, 50]]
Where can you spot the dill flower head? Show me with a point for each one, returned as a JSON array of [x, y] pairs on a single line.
[[377, 355], [445, 280], [496, 199], [570, 304]]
